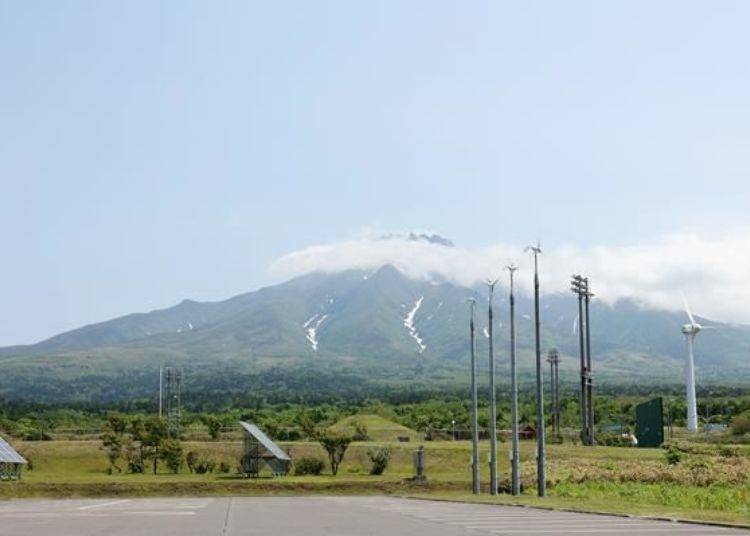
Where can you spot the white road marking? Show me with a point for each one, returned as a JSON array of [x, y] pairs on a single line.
[[102, 505], [158, 513], [546, 524], [571, 530]]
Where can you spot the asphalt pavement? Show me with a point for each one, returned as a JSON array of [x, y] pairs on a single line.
[[313, 516]]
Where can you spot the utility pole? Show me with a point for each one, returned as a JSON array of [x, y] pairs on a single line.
[[578, 286], [161, 396], [589, 376], [474, 424], [540, 476], [553, 358], [515, 475], [493, 409]]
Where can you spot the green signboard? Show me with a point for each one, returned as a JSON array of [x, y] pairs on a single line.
[[649, 423]]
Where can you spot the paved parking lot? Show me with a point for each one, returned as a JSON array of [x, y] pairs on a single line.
[[312, 516]]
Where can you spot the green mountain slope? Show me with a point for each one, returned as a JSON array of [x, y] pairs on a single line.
[[377, 326]]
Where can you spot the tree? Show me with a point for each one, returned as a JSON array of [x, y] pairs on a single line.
[[133, 452], [155, 431], [307, 423], [117, 424], [741, 423], [170, 451], [112, 444], [214, 426], [335, 445], [112, 440]]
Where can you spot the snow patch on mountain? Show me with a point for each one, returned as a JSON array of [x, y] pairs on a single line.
[[409, 324], [311, 329]]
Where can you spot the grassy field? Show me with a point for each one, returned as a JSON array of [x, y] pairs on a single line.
[[704, 485]]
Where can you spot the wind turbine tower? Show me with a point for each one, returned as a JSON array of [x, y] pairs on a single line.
[[690, 331]]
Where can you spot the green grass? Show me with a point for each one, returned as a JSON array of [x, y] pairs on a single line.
[[687, 503], [378, 428]]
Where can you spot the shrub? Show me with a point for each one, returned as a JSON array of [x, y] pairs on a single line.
[[214, 426], [191, 460], [288, 434], [308, 466], [379, 456], [170, 451], [741, 424], [672, 455], [224, 467], [205, 465], [37, 435], [360, 432], [728, 451], [135, 466], [614, 440]]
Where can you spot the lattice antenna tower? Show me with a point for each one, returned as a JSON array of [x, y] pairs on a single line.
[[173, 377]]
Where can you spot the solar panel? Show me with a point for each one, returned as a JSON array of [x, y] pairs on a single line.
[[8, 454], [264, 440]]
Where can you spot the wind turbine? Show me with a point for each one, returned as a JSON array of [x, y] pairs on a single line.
[[690, 331]]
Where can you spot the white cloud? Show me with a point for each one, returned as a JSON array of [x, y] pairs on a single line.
[[714, 272]]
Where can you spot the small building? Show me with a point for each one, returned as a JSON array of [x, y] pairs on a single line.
[[10, 462], [260, 451], [527, 432]]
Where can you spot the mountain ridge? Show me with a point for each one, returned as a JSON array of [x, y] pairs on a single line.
[[378, 320]]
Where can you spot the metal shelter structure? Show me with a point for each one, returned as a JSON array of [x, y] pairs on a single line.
[[260, 451], [10, 462]]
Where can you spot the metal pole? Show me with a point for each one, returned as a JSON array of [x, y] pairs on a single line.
[[557, 395], [474, 424], [541, 480], [552, 389], [493, 415], [589, 377], [514, 458], [161, 376], [584, 406]]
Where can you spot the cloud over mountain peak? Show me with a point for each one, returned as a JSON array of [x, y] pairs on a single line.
[[711, 271]]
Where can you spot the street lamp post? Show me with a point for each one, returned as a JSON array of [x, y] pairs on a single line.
[[541, 479], [474, 424], [515, 476], [493, 409]]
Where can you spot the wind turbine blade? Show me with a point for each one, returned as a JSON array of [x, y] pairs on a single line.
[[687, 309]]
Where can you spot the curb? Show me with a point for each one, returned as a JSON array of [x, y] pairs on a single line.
[[590, 512]]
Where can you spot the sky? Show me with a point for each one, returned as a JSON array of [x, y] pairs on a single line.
[[156, 151]]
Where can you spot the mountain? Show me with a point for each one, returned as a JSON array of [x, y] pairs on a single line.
[[374, 326]]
